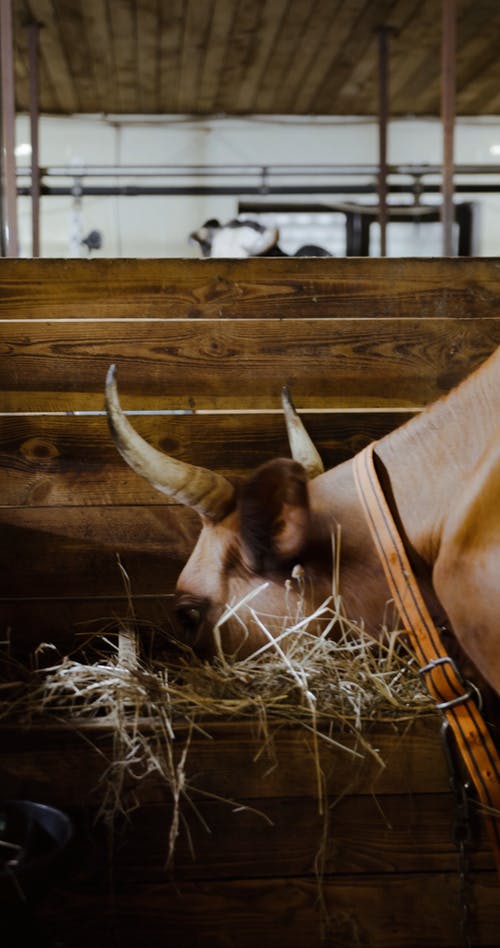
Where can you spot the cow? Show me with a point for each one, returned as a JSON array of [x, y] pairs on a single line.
[[245, 238], [441, 476]]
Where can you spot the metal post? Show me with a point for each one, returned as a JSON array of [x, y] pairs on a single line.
[[33, 29], [448, 67], [383, 55], [9, 197]]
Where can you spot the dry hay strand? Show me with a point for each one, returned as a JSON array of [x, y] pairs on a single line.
[[322, 673]]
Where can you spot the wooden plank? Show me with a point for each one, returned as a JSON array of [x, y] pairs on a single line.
[[256, 288], [263, 60], [197, 18], [356, 58], [230, 761], [73, 551], [123, 44], [322, 39], [205, 364], [53, 460], [421, 41], [148, 66], [55, 57], [170, 36], [239, 53], [291, 45], [223, 14], [476, 46], [97, 30], [283, 837], [382, 911], [71, 24], [75, 626]]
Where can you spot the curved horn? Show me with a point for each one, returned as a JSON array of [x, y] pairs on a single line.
[[301, 446], [208, 493]]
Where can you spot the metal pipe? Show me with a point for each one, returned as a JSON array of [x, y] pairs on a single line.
[[137, 190], [448, 72], [278, 171], [9, 198], [33, 30]]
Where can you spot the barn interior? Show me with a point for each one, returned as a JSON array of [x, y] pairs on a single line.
[[370, 130]]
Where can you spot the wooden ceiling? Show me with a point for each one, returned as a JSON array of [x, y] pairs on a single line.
[[253, 56]]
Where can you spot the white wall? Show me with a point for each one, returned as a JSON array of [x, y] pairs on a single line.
[[159, 226]]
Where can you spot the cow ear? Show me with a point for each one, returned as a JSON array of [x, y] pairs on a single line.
[[274, 514]]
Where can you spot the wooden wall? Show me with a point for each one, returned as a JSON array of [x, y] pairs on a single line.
[[245, 875], [363, 344]]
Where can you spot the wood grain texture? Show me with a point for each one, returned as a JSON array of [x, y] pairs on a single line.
[[212, 335], [222, 337], [388, 852], [240, 364], [71, 461], [289, 288], [230, 763], [75, 626], [386, 833], [72, 551], [232, 57], [380, 911]]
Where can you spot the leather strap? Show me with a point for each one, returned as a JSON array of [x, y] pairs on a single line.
[[442, 677]]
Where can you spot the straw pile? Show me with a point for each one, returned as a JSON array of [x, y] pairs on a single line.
[[330, 685]]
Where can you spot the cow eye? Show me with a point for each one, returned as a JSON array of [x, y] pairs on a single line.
[[190, 618]]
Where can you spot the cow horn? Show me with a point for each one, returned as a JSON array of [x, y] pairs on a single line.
[[208, 493], [301, 446]]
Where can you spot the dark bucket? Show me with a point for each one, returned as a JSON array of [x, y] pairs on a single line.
[[33, 838]]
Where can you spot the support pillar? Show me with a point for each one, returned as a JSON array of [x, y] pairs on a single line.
[[10, 246], [383, 63], [448, 80], [33, 30]]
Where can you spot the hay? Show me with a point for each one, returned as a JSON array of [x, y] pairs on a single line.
[[331, 686]]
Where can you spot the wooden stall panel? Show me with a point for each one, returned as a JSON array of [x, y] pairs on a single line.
[[61, 461], [78, 564], [363, 343], [249, 289], [228, 334], [251, 853], [376, 911], [241, 364], [77, 625], [227, 761], [275, 837]]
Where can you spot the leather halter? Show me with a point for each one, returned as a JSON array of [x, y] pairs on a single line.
[[442, 677]]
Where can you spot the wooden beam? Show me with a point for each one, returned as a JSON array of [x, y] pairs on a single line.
[[9, 221], [448, 80]]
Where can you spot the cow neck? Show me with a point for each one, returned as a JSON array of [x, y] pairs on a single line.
[[422, 462]]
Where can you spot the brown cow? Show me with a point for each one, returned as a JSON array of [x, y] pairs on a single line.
[[441, 475]]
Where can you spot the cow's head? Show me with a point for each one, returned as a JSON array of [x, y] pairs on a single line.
[[237, 238], [255, 534]]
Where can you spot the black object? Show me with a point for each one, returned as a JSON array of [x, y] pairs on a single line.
[[33, 838]]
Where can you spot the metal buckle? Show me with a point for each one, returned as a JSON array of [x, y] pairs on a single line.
[[440, 661], [460, 699], [444, 705]]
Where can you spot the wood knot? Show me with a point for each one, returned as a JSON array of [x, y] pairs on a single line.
[[38, 449]]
